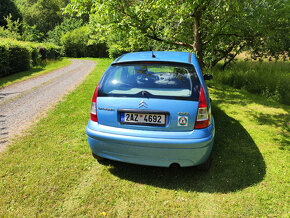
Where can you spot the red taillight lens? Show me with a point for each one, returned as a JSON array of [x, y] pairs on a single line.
[[202, 117], [94, 105]]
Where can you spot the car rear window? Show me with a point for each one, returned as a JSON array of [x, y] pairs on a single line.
[[155, 80]]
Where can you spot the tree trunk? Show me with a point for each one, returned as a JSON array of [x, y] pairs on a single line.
[[197, 45]]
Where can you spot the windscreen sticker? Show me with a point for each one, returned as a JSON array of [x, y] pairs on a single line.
[[182, 120]]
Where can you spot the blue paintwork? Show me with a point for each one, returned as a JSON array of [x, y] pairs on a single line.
[[153, 148], [169, 56], [110, 118], [150, 145]]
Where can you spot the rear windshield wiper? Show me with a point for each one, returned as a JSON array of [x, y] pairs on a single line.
[[145, 93]]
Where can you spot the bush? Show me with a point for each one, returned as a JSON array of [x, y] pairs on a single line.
[[16, 56], [115, 51], [68, 25], [76, 44], [269, 79], [49, 51]]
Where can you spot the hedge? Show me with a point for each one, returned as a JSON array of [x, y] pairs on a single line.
[[17, 56], [77, 43]]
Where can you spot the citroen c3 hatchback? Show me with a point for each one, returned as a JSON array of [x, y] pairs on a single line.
[[152, 109]]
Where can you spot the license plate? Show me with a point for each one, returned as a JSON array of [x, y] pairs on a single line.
[[143, 119]]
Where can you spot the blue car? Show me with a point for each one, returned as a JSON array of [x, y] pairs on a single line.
[[153, 109]]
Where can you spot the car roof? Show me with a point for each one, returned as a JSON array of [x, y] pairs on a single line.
[[166, 56]]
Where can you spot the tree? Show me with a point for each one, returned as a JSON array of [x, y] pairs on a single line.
[[8, 7], [12, 28], [68, 25], [44, 14], [77, 44], [213, 29]]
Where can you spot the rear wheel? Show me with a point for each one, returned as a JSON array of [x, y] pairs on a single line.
[[206, 165]]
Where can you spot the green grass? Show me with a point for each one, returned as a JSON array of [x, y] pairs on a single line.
[[268, 79], [46, 67], [50, 170]]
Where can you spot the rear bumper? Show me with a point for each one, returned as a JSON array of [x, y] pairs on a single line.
[[154, 151]]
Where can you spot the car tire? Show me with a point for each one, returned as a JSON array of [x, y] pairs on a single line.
[[206, 165]]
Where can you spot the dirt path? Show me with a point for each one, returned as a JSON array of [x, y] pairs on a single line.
[[22, 102]]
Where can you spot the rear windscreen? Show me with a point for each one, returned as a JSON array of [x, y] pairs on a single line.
[[155, 80]]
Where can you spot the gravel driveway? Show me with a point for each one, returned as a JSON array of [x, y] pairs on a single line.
[[20, 103]]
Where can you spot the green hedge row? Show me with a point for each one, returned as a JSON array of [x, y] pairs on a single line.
[[16, 56], [78, 43]]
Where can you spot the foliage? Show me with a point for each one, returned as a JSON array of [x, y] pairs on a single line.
[[214, 29], [30, 33], [17, 56], [68, 25], [19, 30], [248, 175], [8, 7], [77, 44], [269, 79], [44, 14], [12, 28], [275, 42]]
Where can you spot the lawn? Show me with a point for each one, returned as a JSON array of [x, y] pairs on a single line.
[[46, 67], [49, 171], [269, 79]]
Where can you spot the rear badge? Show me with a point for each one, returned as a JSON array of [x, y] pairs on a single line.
[[182, 120], [106, 109]]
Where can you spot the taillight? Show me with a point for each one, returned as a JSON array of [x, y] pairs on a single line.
[[202, 118], [94, 105]]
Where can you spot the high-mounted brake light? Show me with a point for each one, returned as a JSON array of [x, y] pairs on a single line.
[[94, 105], [202, 118]]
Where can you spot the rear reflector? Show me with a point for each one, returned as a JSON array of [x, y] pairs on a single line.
[[94, 105], [202, 118]]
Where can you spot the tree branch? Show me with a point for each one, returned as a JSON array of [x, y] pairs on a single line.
[[233, 57], [156, 38], [230, 34], [223, 54]]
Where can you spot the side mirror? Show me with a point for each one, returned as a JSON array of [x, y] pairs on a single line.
[[207, 76]]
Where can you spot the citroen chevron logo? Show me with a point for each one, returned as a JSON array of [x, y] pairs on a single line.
[[142, 104]]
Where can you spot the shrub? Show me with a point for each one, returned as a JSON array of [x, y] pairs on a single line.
[[12, 28], [19, 57], [115, 51], [16, 56], [30, 33], [4, 59], [77, 44], [49, 51], [68, 25]]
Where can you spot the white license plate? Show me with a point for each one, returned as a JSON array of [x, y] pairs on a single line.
[[143, 119]]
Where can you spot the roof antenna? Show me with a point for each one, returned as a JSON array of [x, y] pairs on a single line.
[[151, 49]]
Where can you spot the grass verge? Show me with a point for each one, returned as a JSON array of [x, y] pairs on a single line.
[[268, 79], [50, 171], [46, 67]]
